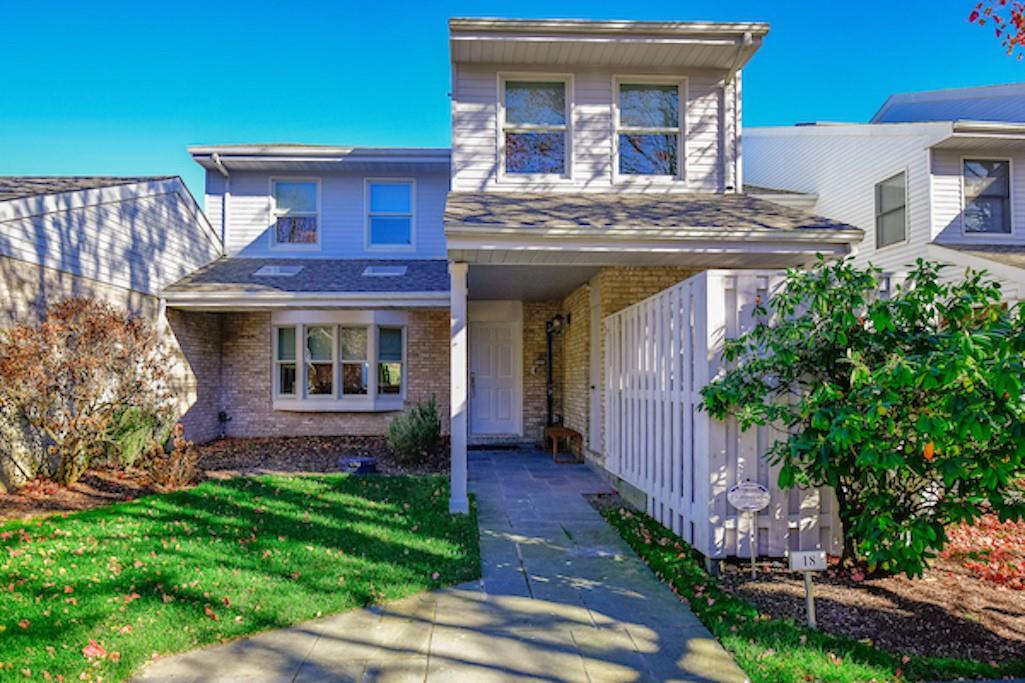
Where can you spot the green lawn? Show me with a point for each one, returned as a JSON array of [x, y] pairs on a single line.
[[172, 572], [776, 650]]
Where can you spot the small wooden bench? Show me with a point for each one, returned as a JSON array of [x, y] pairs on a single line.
[[573, 438]]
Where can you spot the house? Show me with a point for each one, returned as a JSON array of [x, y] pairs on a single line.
[[932, 175], [120, 240], [594, 165]]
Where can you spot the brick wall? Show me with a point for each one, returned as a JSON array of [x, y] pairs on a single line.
[[576, 344], [196, 376], [535, 314], [246, 380]]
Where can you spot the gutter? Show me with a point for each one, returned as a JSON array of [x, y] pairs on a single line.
[[219, 165], [241, 299], [681, 234]]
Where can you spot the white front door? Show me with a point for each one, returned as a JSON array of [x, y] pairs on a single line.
[[495, 378]]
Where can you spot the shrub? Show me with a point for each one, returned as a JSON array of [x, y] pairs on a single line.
[[417, 434], [71, 376], [910, 407], [175, 467], [133, 432]]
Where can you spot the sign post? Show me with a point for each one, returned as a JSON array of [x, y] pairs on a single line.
[[807, 562], [750, 497]]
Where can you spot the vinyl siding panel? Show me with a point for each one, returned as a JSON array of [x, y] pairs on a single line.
[[948, 199], [140, 241], [843, 169], [475, 134], [342, 216]]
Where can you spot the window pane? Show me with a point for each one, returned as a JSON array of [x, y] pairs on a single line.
[[390, 230], [354, 343], [890, 194], [890, 228], [354, 378], [390, 197], [286, 343], [986, 177], [319, 379], [389, 344], [538, 104], [535, 153], [296, 230], [389, 378], [649, 106], [318, 343], [647, 154], [987, 214], [292, 197], [286, 378]]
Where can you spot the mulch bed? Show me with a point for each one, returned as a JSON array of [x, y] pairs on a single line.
[[219, 459], [949, 612]]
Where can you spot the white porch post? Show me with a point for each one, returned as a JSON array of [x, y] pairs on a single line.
[[458, 401]]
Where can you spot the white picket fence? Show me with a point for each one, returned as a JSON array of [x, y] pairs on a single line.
[[659, 353]]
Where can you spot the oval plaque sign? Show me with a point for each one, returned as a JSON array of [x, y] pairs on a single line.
[[748, 496]]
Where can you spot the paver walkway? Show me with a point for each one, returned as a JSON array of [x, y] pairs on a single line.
[[562, 598]]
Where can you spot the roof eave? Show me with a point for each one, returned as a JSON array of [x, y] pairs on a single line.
[[622, 28], [675, 234]]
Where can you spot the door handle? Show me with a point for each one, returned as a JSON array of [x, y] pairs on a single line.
[[473, 384]]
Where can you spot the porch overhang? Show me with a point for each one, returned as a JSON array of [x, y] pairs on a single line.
[[263, 301]]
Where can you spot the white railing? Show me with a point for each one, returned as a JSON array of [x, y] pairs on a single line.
[[659, 353]]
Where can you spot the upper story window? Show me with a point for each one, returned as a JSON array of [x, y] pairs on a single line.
[[987, 196], [891, 211], [535, 127], [648, 127], [296, 213], [390, 213]]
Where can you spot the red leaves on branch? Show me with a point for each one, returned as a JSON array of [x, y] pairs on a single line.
[[1008, 18], [992, 549]]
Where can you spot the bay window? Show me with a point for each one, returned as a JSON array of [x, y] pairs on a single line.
[[535, 127], [350, 360]]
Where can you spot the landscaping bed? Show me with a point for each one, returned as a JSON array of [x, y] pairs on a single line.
[[948, 625], [95, 594], [219, 459]]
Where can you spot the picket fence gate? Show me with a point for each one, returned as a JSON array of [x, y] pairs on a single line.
[[659, 353]]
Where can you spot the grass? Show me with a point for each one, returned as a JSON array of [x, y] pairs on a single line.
[[779, 650], [173, 572]]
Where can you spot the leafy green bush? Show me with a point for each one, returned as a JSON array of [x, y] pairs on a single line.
[[910, 406], [134, 431], [417, 434]]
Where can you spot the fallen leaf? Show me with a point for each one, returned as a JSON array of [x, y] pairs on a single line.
[[208, 611], [24, 623], [93, 649]]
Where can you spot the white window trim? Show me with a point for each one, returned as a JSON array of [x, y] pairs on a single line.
[[632, 180], [368, 245], [967, 234], [533, 178], [276, 376], [907, 210], [337, 402], [273, 215]]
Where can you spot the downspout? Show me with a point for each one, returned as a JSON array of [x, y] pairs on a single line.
[[223, 170], [731, 120]]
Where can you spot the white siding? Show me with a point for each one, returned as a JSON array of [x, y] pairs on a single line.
[[948, 200], [842, 164], [475, 130], [342, 217], [660, 353], [142, 236]]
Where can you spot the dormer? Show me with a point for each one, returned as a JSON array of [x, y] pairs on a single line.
[[572, 105]]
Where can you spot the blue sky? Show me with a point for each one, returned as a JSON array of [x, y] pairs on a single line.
[[123, 88]]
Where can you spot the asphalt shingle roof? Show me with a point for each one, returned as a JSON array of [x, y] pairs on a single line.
[[317, 275], [19, 187], [594, 210], [1007, 254]]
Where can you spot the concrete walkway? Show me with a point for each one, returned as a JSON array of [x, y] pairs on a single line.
[[562, 598]]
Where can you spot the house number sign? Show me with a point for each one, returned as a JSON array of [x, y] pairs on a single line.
[[750, 497]]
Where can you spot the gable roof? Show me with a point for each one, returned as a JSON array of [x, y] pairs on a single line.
[[20, 187], [986, 103], [626, 212]]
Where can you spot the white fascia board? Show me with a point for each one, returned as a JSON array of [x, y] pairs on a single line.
[[684, 236], [931, 129], [241, 300], [623, 28]]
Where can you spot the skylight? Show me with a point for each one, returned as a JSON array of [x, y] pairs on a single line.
[[384, 271], [277, 271]]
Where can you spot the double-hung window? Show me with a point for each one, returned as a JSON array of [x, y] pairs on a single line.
[[535, 127], [987, 196], [390, 213], [891, 211], [296, 213], [648, 129], [340, 362]]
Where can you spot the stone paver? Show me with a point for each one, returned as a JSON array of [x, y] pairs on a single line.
[[561, 598]]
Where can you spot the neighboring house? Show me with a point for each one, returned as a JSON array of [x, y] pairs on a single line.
[[934, 175], [594, 164], [120, 240]]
